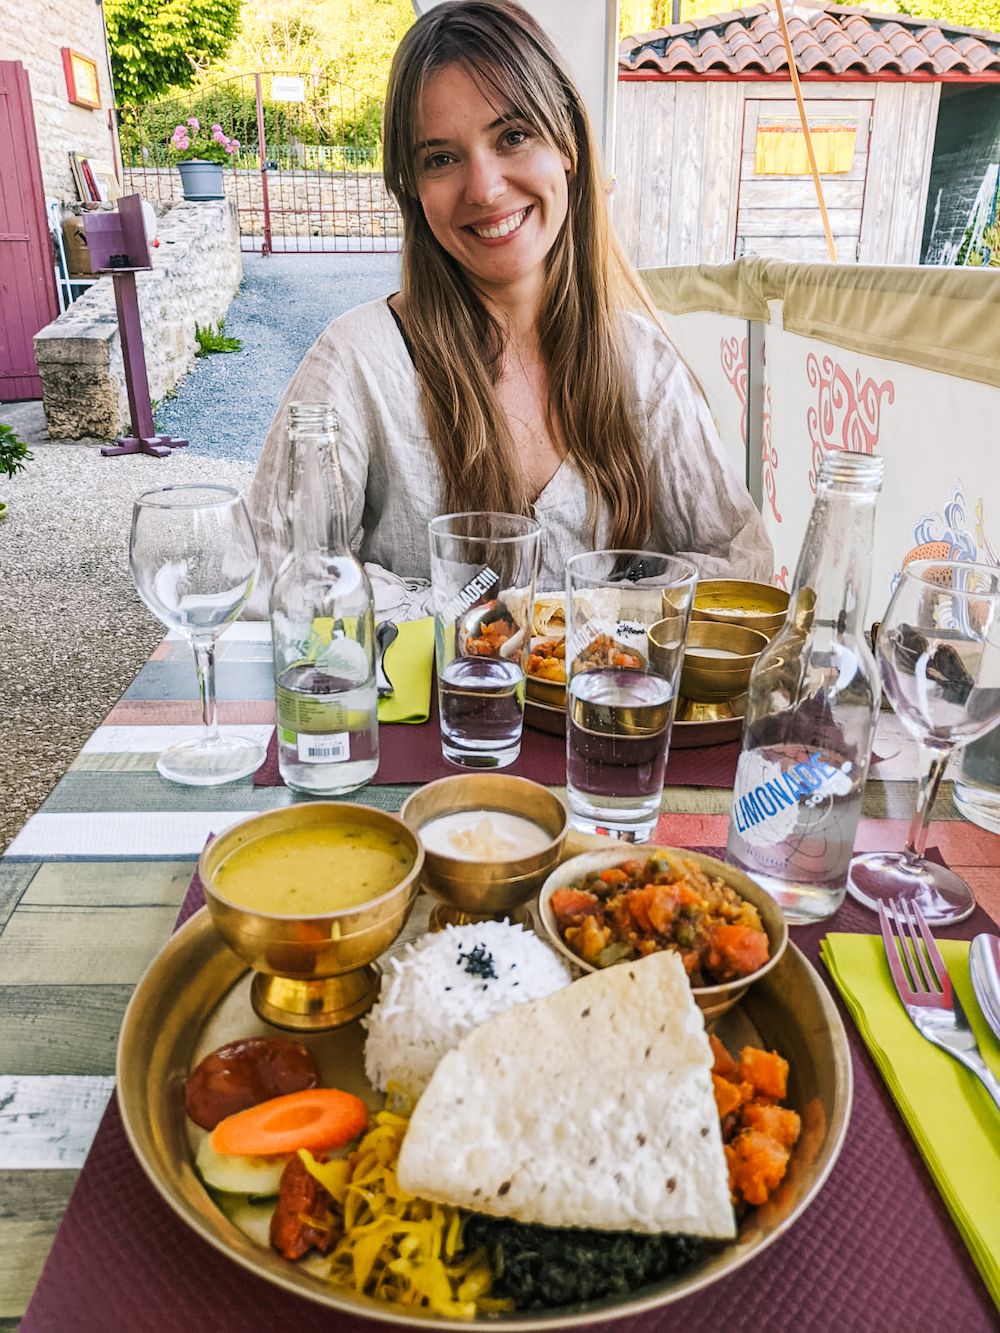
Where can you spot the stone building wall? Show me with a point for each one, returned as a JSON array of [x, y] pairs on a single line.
[[197, 268], [301, 203], [34, 32]]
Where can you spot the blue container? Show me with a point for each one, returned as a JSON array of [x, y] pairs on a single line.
[[201, 180]]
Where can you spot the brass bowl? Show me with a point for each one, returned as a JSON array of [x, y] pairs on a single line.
[[311, 972], [708, 678], [712, 1000], [758, 606], [486, 890]]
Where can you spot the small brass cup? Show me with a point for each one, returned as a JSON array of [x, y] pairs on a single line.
[[486, 890], [709, 677], [311, 972]]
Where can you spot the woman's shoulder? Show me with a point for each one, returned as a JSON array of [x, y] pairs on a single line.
[[360, 327]]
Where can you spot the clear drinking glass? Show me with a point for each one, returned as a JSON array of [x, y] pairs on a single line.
[[479, 651], [627, 615], [193, 557], [938, 652]]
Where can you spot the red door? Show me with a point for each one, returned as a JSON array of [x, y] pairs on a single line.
[[27, 280]]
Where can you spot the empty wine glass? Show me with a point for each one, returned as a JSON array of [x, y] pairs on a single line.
[[194, 561], [939, 656]]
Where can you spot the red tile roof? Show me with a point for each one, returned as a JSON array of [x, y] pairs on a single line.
[[826, 39]]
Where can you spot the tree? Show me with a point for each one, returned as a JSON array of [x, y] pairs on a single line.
[[965, 13], [161, 44]]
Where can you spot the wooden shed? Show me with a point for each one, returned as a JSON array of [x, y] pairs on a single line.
[[710, 156]]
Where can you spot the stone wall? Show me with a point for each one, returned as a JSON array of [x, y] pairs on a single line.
[[301, 203], [197, 268], [35, 32]]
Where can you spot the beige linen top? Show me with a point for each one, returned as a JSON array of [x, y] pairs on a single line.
[[360, 364]]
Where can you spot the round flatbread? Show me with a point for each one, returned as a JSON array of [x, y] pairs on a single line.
[[592, 1107]]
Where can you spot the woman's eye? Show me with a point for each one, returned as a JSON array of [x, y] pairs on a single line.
[[514, 138], [435, 161]]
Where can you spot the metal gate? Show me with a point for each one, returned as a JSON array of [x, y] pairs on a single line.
[[307, 177], [27, 278]]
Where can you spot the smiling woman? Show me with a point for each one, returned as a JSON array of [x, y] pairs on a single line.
[[522, 367]]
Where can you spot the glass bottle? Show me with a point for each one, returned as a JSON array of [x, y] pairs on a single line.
[[322, 625], [812, 704]]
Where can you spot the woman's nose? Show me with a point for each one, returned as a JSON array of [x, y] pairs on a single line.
[[485, 180]]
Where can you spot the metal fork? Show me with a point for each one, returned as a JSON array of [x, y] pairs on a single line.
[[925, 988]]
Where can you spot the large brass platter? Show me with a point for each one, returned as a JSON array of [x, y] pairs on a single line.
[[683, 736], [195, 996]]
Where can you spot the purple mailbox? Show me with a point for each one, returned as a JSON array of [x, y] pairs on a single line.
[[117, 244]]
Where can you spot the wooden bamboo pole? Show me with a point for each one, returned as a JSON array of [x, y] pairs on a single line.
[[794, 74]]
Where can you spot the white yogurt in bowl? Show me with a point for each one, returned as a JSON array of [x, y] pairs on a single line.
[[483, 835]]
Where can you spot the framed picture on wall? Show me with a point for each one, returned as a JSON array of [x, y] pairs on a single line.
[[81, 79]]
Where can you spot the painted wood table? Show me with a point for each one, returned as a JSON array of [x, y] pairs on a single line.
[[90, 890]]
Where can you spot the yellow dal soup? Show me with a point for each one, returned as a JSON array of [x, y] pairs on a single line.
[[737, 603], [314, 871]]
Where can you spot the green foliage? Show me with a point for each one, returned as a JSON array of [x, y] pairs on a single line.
[[14, 453], [964, 13], [210, 340], [161, 44]]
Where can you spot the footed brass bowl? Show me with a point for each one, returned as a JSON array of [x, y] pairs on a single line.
[[718, 659], [485, 890], [759, 606], [311, 972]]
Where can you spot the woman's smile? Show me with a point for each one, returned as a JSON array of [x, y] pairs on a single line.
[[493, 190], [493, 231]]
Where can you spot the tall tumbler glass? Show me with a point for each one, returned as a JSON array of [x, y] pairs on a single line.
[[627, 615], [478, 559]]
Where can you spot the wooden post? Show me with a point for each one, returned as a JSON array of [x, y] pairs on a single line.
[[794, 75]]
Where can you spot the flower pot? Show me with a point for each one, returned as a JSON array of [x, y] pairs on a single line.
[[201, 180]]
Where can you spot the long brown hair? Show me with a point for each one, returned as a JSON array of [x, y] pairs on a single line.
[[457, 343]]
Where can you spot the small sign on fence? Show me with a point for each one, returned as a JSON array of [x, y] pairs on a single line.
[[285, 88]]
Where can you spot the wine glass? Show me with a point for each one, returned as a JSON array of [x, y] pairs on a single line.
[[939, 655], [194, 561]]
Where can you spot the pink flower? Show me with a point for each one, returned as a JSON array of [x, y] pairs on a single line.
[[194, 123], [216, 129]]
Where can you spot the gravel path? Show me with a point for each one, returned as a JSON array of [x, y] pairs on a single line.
[[73, 632]]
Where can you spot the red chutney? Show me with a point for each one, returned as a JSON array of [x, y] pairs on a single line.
[[244, 1073], [641, 907]]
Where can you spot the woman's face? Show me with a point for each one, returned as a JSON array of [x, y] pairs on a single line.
[[494, 192]]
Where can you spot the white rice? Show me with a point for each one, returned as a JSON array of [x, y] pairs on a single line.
[[436, 994]]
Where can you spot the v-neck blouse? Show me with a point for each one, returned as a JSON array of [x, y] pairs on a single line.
[[361, 364]]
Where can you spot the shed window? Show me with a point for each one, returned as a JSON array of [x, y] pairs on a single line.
[[780, 147]]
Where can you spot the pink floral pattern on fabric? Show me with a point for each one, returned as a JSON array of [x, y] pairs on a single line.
[[733, 354], [847, 415], [769, 455]]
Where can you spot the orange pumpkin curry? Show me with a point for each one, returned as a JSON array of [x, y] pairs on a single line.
[[640, 907], [758, 1135]]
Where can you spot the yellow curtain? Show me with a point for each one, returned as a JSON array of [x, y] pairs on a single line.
[[780, 149]]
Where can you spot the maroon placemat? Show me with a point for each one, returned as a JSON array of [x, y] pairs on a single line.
[[875, 1252], [411, 752]]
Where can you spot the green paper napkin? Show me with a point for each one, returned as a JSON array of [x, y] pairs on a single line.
[[409, 662], [952, 1117]]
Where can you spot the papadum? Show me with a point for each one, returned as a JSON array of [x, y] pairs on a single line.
[[592, 1107]]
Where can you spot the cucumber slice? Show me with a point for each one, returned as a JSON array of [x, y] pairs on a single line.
[[253, 1219], [256, 1176]]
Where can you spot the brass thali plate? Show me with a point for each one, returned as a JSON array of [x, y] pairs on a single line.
[[195, 996], [545, 716]]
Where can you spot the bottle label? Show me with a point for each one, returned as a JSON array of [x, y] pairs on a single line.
[[319, 749], [809, 782], [795, 812]]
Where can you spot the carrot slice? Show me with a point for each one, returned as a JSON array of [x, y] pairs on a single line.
[[317, 1119]]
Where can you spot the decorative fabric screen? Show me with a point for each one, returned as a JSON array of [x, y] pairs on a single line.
[[780, 148]]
